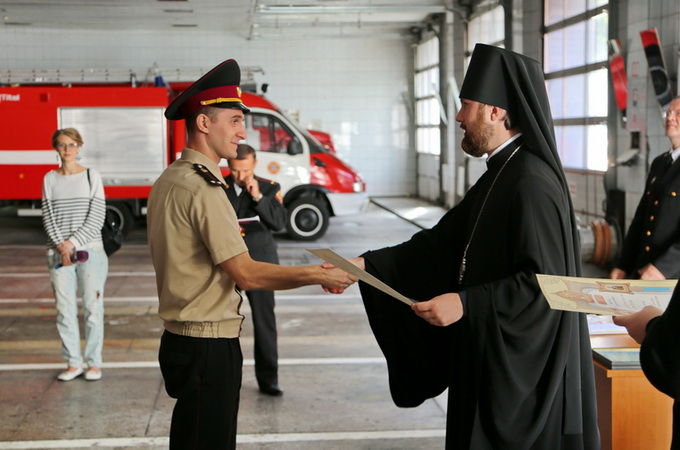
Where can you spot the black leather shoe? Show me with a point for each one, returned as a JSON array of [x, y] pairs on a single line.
[[274, 391]]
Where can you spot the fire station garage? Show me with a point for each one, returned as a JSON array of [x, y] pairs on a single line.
[[355, 112]]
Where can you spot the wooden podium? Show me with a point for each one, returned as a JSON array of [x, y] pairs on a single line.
[[632, 414]]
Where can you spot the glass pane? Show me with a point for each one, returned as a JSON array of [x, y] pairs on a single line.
[[553, 51], [421, 88], [559, 136], [427, 140], [574, 7], [487, 28], [574, 96], [433, 80], [595, 3], [555, 90], [267, 134], [575, 44], [427, 112], [559, 10], [107, 129], [426, 82], [552, 11], [571, 147], [434, 51], [598, 93], [497, 24], [597, 36], [427, 53], [597, 147]]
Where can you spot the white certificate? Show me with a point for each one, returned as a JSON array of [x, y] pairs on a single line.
[[330, 256]]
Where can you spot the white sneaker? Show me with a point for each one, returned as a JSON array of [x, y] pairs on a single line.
[[68, 375], [93, 374]]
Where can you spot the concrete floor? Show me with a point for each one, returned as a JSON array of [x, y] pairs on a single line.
[[332, 371]]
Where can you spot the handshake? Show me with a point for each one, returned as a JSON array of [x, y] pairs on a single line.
[[79, 256]]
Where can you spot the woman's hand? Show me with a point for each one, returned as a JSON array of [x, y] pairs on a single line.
[[66, 247], [66, 250]]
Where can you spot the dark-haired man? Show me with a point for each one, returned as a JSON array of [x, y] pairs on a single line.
[[199, 257], [259, 207], [519, 374]]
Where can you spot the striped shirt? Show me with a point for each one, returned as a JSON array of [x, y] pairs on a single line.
[[73, 209]]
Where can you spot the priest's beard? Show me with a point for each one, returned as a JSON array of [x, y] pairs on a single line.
[[477, 136]]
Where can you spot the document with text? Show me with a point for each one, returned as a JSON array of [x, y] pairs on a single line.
[[604, 296]]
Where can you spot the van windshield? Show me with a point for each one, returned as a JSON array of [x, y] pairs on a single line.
[[314, 145]]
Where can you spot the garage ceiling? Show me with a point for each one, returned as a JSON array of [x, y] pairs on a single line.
[[251, 19]]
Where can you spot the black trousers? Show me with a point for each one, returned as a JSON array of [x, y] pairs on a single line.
[[204, 375], [264, 331]]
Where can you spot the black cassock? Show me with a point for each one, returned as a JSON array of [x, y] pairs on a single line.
[[519, 374], [660, 357]]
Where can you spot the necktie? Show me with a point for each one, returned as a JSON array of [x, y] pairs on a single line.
[[669, 164]]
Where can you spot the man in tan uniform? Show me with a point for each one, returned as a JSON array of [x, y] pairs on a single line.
[[199, 258]]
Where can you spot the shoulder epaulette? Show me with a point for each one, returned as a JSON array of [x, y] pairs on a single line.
[[209, 176], [265, 180]]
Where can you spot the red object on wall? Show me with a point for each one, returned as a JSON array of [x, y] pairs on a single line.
[[617, 69]]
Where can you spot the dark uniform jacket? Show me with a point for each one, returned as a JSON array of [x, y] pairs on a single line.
[[660, 357], [519, 374], [258, 235], [654, 233]]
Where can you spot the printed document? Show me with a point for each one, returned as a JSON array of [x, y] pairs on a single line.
[[604, 296]]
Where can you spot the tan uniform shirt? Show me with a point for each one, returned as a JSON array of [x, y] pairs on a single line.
[[192, 228]]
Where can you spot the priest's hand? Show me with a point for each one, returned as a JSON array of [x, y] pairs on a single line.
[[358, 261], [442, 310], [636, 323]]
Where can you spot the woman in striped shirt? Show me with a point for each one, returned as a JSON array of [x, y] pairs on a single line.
[[73, 209]]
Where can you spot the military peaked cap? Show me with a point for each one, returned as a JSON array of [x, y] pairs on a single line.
[[218, 88]]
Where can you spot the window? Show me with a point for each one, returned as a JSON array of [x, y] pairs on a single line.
[[426, 89], [267, 134], [575, 63], [488, 27]]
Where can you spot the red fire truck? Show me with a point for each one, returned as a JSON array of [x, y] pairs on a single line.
[[128, 140]]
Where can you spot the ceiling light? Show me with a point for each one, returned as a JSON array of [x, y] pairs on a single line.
[[305, 9]]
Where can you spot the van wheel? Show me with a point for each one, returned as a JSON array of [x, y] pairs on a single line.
[[307, 219], [124, 215]]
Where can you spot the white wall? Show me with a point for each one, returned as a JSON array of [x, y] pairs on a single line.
[[351, 88]]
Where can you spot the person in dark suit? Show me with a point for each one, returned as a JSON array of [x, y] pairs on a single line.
[[259, 207], [651, 250], [658, 335]]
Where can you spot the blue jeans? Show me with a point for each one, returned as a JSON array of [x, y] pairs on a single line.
[[88, 278]]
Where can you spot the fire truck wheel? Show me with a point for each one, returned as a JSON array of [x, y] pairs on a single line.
[[307, 219], [124, 214]]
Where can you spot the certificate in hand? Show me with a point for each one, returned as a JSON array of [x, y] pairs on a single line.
[[604, 296], [330, 256]]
